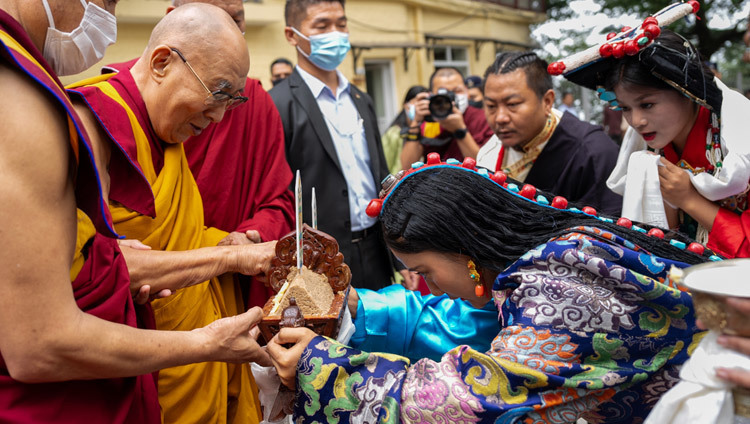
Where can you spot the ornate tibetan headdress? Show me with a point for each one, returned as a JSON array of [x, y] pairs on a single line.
[[681, 69], [527, 191]]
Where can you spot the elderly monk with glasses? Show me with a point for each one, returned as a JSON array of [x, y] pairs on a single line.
[[218, 97], [240, 166], [191, 73]]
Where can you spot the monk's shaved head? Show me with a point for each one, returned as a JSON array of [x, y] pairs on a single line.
[[194, 52], [234, 8], [196, 25], [217, 3]]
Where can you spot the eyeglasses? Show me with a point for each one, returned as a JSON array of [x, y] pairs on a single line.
[[216, 98]]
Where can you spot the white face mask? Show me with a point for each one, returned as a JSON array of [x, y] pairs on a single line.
[[73, 52], [462, 102]]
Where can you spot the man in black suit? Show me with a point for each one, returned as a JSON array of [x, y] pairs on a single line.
[[332, 137]]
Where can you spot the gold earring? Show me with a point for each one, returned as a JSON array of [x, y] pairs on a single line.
[[479, 287]]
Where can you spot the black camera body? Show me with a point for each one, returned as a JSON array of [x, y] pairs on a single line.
[[441, 105]]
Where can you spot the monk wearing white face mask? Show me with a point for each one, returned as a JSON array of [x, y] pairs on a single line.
[[75, 51]]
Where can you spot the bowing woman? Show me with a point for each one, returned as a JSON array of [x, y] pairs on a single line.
[[677, 109], [589, 324]]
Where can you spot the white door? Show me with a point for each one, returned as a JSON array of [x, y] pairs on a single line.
[[381, 85]]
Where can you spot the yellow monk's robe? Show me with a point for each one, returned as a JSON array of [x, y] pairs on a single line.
[[172, 220]]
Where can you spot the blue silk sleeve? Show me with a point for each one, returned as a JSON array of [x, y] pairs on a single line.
[[404, 322]]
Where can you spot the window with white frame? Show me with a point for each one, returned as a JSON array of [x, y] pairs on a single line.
[[456, 57]]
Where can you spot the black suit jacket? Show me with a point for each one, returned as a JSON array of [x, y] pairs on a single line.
[[576, 163], [309, 148]]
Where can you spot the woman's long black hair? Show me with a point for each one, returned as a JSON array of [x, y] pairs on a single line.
[[454, 211]]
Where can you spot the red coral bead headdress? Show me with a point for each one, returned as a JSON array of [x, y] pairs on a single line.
[[528, 191]]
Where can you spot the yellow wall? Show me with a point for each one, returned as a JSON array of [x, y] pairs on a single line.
[[371, 21]]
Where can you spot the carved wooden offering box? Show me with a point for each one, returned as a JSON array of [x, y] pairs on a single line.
[[320, 253]]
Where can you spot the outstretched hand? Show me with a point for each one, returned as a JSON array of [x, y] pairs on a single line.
[[235, 338], [237, 238], [256, 258], [736, 337], [285, 359]]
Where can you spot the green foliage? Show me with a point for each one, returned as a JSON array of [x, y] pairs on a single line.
[[723, 46], [558, 10], [735, 72], [708, 41]]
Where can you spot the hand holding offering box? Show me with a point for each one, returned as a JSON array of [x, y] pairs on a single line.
[[320, 289]]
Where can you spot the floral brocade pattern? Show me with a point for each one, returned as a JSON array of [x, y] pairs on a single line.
[[591, 330]]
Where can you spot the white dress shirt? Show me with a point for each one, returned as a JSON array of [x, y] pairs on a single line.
[[348, 134]]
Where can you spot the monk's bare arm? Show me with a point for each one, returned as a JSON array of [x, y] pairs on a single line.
[[44, 336], [175, 270], [101, 149]]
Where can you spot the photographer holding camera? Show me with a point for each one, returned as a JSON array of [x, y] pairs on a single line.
[[444, 122]]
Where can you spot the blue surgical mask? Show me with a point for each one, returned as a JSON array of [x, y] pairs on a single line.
[[328, 50]]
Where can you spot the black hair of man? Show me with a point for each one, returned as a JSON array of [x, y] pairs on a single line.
[[532, 65], [295, 11], [445, 71], [281, 60]]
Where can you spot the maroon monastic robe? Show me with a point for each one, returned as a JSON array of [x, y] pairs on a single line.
[[101, 288], [242, 173]]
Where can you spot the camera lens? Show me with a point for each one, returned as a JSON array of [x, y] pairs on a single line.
[[440, 106]]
